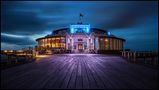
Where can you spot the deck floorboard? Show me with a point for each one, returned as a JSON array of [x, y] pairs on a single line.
[[80, 71]]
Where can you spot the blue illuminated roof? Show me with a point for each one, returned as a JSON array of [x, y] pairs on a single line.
[[80, 28]]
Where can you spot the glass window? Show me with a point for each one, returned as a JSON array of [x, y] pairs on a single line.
[[80, 40]]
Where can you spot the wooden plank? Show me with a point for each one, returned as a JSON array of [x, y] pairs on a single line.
[[85, 71], [66, 80], [72, 81], [43, 79], [85, 80], [79, 80], [116, 77], [50, 83], [92, 81], [97, 74], [109, 76], [62, 74], [47, 73]]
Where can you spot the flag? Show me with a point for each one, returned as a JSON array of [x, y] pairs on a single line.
[[81, 15]]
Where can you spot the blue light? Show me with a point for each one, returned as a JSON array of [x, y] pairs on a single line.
[[88, 29], [79, 28], [72, 30], [108, 33]]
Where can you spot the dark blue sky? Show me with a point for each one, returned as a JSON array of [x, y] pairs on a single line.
[[24, 21]]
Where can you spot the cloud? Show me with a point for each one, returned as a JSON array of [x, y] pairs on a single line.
[[16, 39], [22, 23]]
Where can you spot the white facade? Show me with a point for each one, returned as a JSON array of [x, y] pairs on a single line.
[[80, 38], [80, 42]]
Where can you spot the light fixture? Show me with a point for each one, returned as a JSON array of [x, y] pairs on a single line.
[[108, 33], [106, 40]]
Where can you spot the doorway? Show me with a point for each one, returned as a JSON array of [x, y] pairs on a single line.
[[80, 46]]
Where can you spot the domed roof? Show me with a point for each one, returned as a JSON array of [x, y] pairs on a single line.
[[63, 31]]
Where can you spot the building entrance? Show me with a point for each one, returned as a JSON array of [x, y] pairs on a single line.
[[80, 47]]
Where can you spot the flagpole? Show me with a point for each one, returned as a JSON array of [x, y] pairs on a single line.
[[80, 18]]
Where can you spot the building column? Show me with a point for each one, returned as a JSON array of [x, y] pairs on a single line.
[[88, 44]]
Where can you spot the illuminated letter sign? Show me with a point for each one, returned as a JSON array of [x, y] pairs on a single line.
[[79, 28]]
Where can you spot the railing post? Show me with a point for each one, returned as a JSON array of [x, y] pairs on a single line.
[[131, 55], [8, 58], [134, 56], [124, 54], [154, 58], [144, 57], [128, 55], [16, 60], [150, 55]]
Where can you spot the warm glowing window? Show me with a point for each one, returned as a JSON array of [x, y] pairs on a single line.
[[57, 38], [106, 40], [53, 45]]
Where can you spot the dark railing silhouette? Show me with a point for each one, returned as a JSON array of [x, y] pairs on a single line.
[[13, 59], [144, 57]]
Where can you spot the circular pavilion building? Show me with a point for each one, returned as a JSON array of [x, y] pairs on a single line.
[[80, 38]]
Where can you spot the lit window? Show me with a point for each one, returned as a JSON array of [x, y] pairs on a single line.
[[106, 40]]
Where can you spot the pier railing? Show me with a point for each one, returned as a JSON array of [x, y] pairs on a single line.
[[145, 57], [12, 59]]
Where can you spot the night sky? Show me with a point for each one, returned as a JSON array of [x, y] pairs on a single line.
[[24, 21]]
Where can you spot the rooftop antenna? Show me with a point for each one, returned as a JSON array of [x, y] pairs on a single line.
[[80, 18]]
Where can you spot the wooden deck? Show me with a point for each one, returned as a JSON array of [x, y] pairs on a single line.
[[80, 71]]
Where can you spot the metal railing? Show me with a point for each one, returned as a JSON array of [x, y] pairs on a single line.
[[146, 57]]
